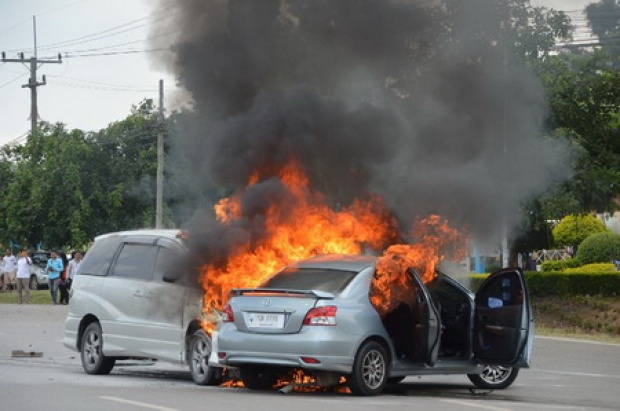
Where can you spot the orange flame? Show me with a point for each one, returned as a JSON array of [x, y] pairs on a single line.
[[306, 226], [296, 232], [435, 242]]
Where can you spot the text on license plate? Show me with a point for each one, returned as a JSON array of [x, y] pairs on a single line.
[[265, 320]]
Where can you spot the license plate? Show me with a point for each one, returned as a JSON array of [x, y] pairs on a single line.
[[265, 320]]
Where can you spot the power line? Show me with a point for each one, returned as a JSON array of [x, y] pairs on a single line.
[[115, 53], [39, 14], [12, 81], [110, 32]]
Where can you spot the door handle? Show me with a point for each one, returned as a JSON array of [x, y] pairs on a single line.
[[137, 293]]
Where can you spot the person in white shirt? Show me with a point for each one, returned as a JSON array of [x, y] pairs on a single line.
[[10, 268], [74, 264], [23, 276]]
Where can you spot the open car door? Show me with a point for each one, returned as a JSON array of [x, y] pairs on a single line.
[[503, 321], [427, 324]]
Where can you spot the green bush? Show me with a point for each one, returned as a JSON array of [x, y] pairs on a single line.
[[599, 248], [573, 229], [563, 284], [593, 268], [561, 265]]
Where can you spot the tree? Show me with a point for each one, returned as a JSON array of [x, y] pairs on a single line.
[[123, 168], [66, 187], [573, 229], [604, 20], [584, 97], [6, 176]]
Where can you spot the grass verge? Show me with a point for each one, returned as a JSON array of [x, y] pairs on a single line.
[[36, 297]]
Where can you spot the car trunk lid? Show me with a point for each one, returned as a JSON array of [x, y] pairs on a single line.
[[273, 311]]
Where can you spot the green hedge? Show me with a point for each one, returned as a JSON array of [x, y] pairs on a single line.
[[559, 265], [560, 284]]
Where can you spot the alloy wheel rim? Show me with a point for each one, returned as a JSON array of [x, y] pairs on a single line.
[[200, 353], [92, 348], [495, 374], [373, 369]]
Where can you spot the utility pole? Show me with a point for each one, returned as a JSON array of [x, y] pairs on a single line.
[[32, 82], [159, 207]]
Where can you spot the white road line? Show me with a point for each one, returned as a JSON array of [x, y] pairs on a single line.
[[576, 374], [476, 405], [575, 340], [138, 404]]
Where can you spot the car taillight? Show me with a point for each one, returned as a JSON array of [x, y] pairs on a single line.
[[227, 314], [321, 316]]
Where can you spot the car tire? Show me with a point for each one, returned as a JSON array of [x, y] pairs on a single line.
[[91, 352], [33, 284], [199, 352], [494, 377], [370, 370], [258, 378]]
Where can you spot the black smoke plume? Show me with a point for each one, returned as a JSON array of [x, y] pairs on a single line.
[[418, 101]]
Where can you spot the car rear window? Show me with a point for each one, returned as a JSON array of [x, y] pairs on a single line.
[[97, 260], [331, 281]]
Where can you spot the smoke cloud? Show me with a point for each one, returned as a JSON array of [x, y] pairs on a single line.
[[414, 100]]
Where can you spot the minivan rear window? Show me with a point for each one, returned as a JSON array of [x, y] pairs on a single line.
[[97, 260], [331, 281]]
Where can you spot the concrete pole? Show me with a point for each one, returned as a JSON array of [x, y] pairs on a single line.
[[159, 208]]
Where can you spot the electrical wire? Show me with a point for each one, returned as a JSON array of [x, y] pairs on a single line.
[[113, 31], [14, 80], [115, 53]]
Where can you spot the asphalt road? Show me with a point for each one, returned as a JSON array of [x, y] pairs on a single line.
[[566, 375]]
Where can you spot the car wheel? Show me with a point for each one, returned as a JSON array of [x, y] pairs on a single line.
[[93, 360], [394, 380], [369, 374], [494, 377], [199, 352], [34, 284], [257, 378]]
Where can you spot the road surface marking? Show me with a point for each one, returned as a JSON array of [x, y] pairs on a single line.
[[576, 340], [476, 405], [577, 374], [139, 404]]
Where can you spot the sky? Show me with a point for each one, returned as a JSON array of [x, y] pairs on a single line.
[[85, 92], [106, 66]]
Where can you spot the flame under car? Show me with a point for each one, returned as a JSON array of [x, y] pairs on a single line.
[[316, 315]]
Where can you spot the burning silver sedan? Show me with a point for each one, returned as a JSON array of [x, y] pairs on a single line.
[[317, 316]]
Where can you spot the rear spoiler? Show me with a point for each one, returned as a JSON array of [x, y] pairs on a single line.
[[307, 293]]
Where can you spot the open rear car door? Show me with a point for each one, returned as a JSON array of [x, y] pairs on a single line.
[[503, 321]]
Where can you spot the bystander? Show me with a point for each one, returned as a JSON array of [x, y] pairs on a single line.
[[23, 276], [10, 267], [54, 270]]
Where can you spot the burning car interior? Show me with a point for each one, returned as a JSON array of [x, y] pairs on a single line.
[[455, 313], [406, 324]]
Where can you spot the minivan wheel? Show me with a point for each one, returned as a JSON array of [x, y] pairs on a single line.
[[258, 377], [369, 374], [199, 352], [494, 377], [93, 360], [33, 284]]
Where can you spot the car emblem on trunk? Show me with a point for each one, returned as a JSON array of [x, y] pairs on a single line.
[[267, 302]]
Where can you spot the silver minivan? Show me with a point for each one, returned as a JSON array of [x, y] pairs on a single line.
[[136, 296]]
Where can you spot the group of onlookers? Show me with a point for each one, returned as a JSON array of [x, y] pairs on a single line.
[[15, 274], [60, 273]]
